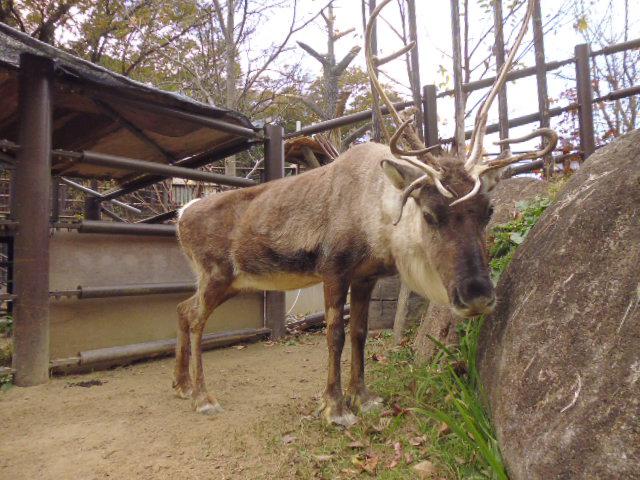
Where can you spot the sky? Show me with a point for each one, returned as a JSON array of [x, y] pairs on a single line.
[[434, 43]]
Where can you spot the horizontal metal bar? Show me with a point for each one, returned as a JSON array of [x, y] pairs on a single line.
[[118, 228], [138, 351], [91, 192], [535, 165], [114, 161], [135, 290], [513, 75], [519, 121], [195, 161], [618, 94], [161, 217], [214, 123], [342, 121], [618, 47], [530, 71]]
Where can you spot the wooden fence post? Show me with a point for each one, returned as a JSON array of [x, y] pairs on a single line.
[[430, 115], [503, 110], [585, 96], [274, 302], [459, 95], [541, 79], [32, 184]]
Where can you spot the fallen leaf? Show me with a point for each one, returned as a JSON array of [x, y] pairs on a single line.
[[395, 411], [397, 457], [349, 471], [371, 463], [378, 357], [382, 424], [288, 439], [460, 460], [425, 469], [417, 441], [349, 435], [444, 429], [240, 347], [408, 458], [356, 444], [367, 462], [322, 458]]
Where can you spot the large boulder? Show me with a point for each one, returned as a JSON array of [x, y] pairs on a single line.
[[560, 357], [438, 321]]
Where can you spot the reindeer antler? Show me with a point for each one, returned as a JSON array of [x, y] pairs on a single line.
[[473, 164], [430, 166]]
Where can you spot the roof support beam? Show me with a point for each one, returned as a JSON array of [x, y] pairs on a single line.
[[199, 160], [123, 163], [137, 132]]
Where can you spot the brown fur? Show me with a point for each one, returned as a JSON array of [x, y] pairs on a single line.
[[332, 225]]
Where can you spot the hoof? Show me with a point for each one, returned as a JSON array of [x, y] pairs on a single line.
[[334, 413], [183, 392], [345, 420], [363, 402], [210, 409]]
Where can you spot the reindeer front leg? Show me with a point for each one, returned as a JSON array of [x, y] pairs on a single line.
[[358, 396], [333, 408]]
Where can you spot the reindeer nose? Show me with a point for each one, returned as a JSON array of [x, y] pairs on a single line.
[[474, 296]]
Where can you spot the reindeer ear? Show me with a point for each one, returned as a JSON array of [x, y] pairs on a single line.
[[400, 174], [490, 179]]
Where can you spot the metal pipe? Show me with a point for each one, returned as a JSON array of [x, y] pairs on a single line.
[[584, 94], [503, 110], [519, 121], [513, 75], [161, 217], [112, 215], [117, 228], [104, 357], [527, 72], [89, 191], [342, 121], [430, 115], [132, 290], [618, 47], [274, 302], [541, 79], [114, 161], [195, 161], [31, 184], [618, 94], [459, 95]]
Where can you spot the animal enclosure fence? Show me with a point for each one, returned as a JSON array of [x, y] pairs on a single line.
[[72, 278], [45, 106]]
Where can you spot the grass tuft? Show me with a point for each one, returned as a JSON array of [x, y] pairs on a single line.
[[434, 411]]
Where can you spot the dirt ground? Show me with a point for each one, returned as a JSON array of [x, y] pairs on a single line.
[[127, 423]]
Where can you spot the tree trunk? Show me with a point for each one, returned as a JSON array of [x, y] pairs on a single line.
[[230, 60]]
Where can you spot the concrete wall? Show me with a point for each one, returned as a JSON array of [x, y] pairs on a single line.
[[310, 300], [94, 260]]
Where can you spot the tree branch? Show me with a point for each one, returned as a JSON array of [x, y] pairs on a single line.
[[321, 58], [344, 63]]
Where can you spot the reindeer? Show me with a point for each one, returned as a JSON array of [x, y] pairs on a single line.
[[374, 211]]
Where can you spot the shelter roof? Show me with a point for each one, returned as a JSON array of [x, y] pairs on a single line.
[[98, 110]]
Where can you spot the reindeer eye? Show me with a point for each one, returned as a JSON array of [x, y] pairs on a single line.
[[489, 214], [430, 219]]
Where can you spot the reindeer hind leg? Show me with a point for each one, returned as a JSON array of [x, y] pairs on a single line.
[[181, 379], [210, 295]]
